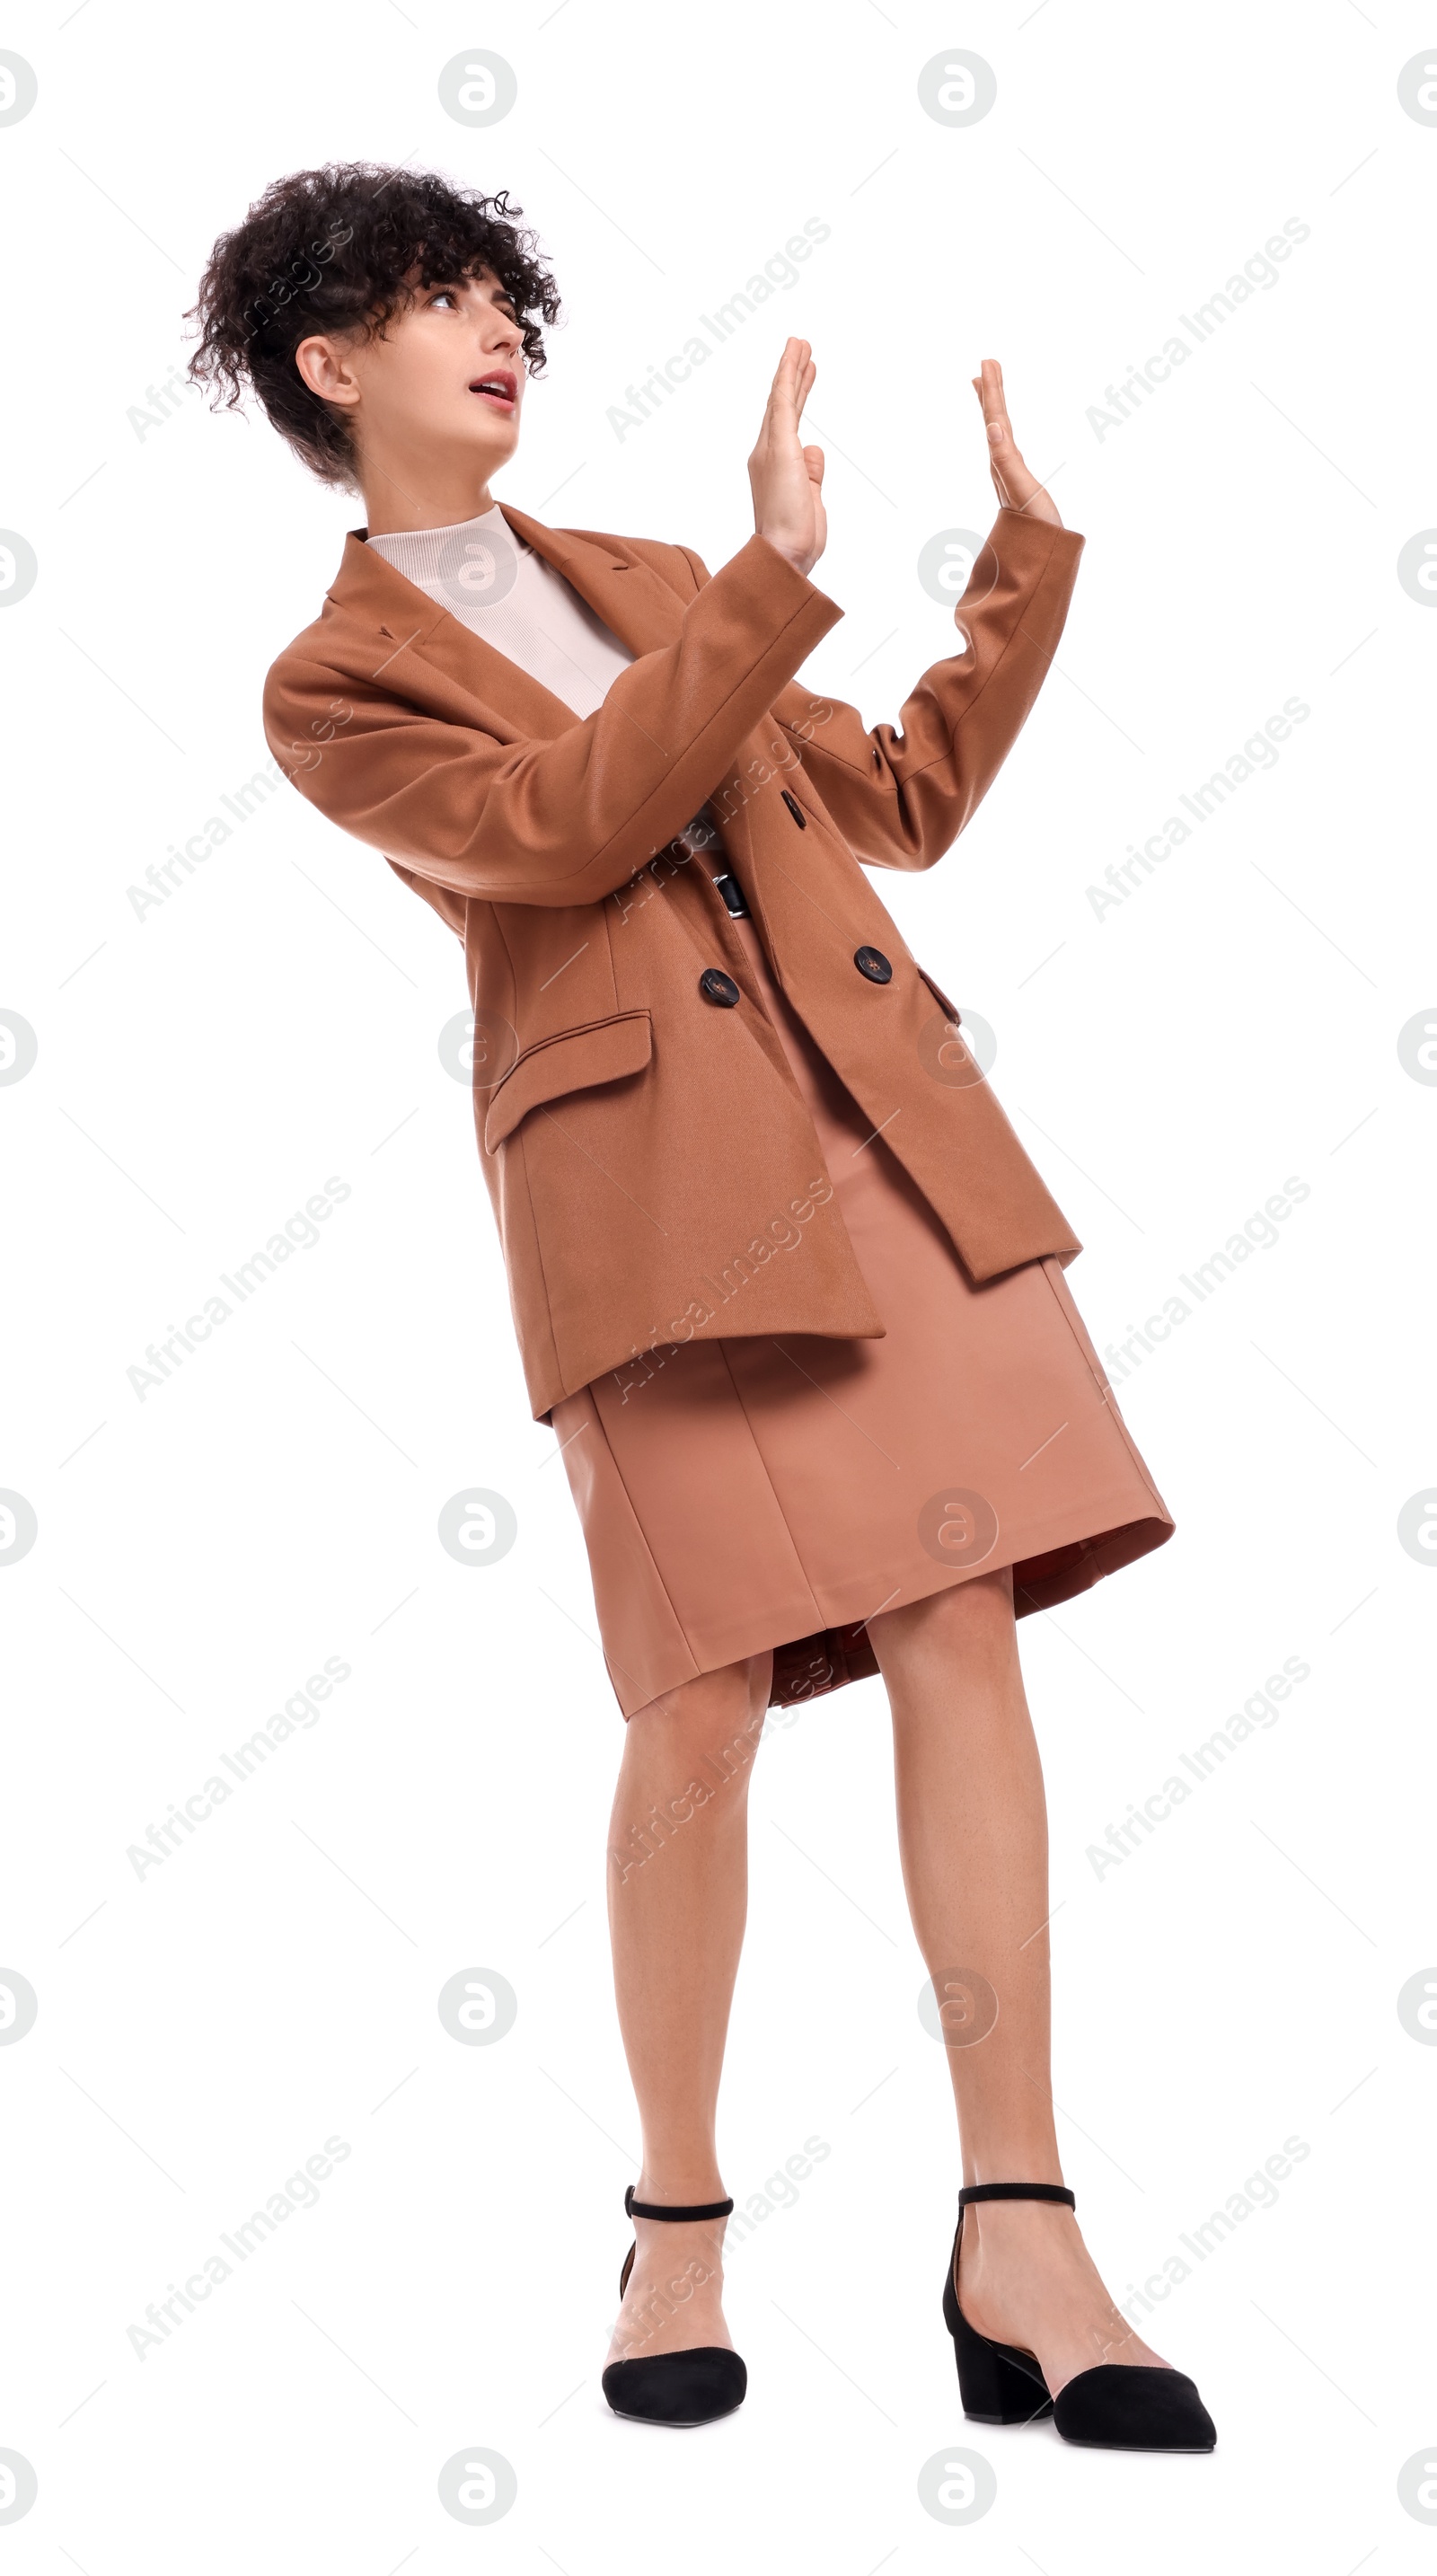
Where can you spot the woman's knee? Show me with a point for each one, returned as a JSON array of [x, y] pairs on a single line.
[[717, 1718], [967, 1619], [687, 1762]]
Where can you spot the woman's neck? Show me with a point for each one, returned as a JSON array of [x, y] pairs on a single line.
[[392, 513]]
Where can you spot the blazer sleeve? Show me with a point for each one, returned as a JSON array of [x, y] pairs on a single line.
[[565, 821], [900, 795]]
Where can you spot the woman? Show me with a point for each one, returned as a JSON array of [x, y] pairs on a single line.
[[785, 1283]]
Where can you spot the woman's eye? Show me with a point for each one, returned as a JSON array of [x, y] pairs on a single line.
[[445, 295]]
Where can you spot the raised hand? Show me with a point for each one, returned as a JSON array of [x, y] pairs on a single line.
[[787, 478], [1016, 488]]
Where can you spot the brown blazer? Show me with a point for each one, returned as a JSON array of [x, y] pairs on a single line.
[[654, 1171]]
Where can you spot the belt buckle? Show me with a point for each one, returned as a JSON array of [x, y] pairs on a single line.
[[733, 896]]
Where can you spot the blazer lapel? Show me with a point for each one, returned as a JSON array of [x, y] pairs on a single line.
[[645, 614], [640, 607], [633, 601]]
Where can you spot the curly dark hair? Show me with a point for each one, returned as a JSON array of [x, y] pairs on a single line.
[[343, 249]]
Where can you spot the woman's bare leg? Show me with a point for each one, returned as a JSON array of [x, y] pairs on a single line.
[[678, 1900], [973, 1837]]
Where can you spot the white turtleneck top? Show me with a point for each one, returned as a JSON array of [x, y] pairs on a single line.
[[496, 585], [501, 589]]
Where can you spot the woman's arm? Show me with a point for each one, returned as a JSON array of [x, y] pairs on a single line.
[[569, 820], [900, 794]]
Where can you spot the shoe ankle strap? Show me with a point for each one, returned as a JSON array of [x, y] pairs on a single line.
[[675, 2209], [1015, 2191]]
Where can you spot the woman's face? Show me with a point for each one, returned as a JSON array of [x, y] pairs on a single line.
[[442, 388]]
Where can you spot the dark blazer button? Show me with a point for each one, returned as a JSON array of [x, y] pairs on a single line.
[[872, 963], [718, 987], [795, 809]]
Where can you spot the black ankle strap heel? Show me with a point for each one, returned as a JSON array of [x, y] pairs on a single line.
[[694, 2386], [972, 2191], [1115, 2406], [675, 2209]]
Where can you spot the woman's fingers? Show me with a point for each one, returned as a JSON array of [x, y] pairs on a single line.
[[785, 373], [793, 379], [1016, 486], [1004, 462], [989, 388], [785, 476]]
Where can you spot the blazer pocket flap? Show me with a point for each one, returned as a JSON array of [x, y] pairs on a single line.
[[940, 997], [599, 1052]]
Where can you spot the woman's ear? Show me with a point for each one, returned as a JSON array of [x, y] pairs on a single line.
[[325, 368]]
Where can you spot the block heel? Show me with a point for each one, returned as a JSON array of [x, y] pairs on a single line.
[[1114, 2407], [999, 2383], [695, 2386]]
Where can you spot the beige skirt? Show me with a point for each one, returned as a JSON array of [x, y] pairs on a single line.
[[758, 1492]]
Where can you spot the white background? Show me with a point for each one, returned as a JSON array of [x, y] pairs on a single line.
[[202, 1070]]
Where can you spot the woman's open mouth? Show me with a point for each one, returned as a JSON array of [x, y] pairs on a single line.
[[501, 389]]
